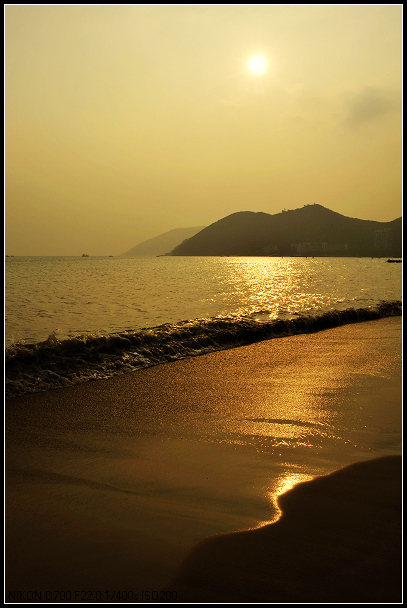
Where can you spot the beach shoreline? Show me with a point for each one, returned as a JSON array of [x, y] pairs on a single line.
[[111, 483]]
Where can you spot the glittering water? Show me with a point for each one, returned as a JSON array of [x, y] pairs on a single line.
[[69, 296]]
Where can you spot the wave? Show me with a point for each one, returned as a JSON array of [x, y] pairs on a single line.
[[58, 363]]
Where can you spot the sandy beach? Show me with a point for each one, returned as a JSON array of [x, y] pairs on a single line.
[[338, 540], [111, 484]]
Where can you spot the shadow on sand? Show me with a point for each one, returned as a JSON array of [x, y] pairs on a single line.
[[338, 540]]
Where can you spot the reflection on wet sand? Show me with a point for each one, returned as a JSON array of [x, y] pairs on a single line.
[[338, 540]]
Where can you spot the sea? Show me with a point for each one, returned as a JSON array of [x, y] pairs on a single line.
[[70, 320]]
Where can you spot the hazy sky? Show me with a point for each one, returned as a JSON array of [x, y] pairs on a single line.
[[123, 122]]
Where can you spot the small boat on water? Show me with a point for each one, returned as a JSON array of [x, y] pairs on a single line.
[[85, 255], [395, 261]]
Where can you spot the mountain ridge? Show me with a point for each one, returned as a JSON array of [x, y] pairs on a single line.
[[312, 229], [162, 243]]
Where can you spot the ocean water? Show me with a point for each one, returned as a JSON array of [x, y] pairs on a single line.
[[72, 319]]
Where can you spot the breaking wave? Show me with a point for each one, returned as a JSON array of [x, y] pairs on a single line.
[[58, 363]]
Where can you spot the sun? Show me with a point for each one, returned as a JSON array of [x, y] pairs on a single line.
[[257, 64]]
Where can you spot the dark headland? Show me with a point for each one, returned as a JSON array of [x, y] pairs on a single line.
[[311, 230]]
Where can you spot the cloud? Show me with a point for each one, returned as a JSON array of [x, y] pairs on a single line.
[[371, 104]]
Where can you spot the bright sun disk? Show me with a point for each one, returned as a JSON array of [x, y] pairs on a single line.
[[257, 64]]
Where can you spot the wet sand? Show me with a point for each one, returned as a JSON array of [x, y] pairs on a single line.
[[110, 484]]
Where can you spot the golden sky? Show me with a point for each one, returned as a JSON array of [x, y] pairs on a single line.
[[123, 122]]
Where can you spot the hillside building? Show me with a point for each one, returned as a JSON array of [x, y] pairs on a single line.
[[318, 248], [383, 240]]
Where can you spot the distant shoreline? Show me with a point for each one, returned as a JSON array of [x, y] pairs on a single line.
[[166, 255]]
